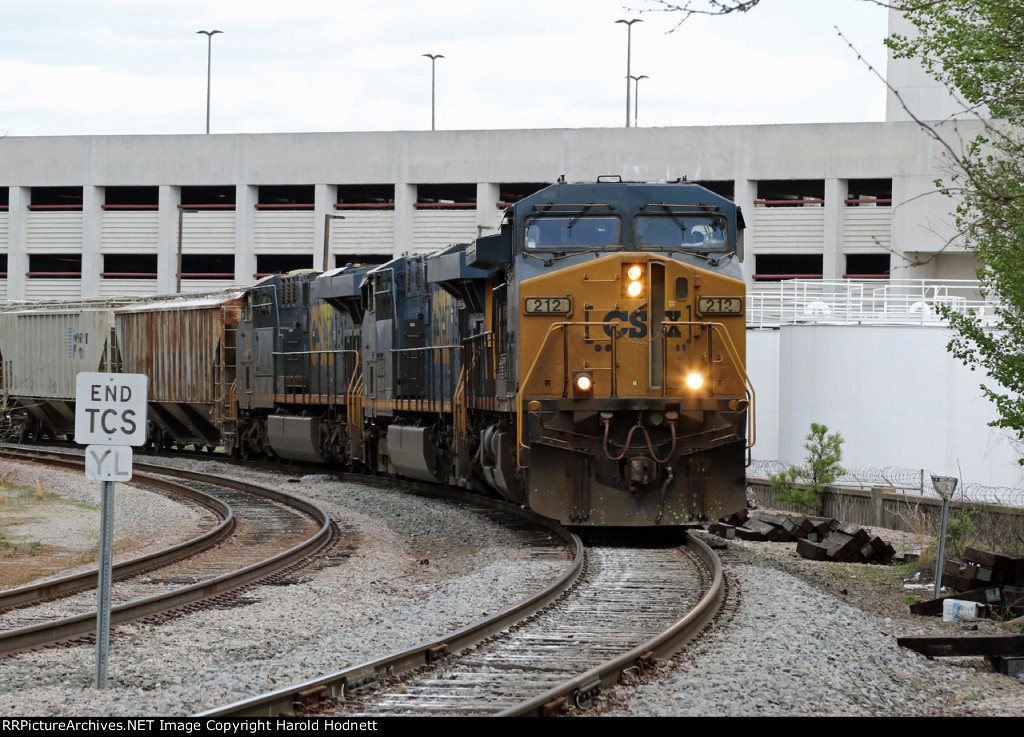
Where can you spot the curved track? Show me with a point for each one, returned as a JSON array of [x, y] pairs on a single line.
[[631, 607], [271, 531], [65, 585]]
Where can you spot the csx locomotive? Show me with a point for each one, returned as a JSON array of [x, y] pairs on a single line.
[[586, 361]]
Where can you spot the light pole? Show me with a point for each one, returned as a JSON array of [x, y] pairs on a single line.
[[629, 54], [636, 97], [209, 56], [433, 65]]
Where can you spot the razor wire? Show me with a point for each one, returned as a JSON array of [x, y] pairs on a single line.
[[916, 480]]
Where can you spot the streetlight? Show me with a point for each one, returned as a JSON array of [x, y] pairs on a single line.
[[209, 53], [636, 97], [433, 63], [629, 53]]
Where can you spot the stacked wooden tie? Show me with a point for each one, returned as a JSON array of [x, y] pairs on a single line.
[[817, 538]]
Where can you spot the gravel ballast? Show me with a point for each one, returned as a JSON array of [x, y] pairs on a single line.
[[419, 569], [790, 649], [794, 642]]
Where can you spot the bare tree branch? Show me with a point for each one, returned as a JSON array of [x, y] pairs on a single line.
[[691, 8]]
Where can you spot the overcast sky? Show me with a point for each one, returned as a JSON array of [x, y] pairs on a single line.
[[72, 67]]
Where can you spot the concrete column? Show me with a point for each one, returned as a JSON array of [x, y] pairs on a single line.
[[324, 197], [17, 240], [912, 229], [92, 220], [487, 212], [833, 260], [246, 197], [405, 199], [744, 194], [167, 239]]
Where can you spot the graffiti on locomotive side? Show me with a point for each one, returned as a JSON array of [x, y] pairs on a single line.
[[321, 320], [442, 311]]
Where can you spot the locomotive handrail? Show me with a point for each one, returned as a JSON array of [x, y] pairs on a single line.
[[526, 379], [430, 372], [730, 349], [469, 364], [459, 408], [330, 352], [736, 362]]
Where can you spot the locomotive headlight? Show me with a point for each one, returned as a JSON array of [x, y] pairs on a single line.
[[694, 380], [583, 383], [634, 281]]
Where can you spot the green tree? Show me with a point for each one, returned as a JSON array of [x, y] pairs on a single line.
[[976, 49], [805, 485]]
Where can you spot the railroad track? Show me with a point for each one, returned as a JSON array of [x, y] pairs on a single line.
[[270, 531], [630, 608]]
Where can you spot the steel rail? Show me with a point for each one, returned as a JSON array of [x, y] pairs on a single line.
[[294, 699], [85, 624], [88, 579], [585, 685]]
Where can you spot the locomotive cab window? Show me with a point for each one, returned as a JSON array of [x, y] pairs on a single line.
[[567, 233], [699, 232]]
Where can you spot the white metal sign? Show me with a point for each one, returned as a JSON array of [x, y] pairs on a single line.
[[944, 485], [110, 409], [108, 463]]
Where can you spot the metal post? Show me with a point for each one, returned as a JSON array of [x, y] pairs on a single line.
[[433, 66], [181, 228], [629, 54], [941, 556], [181, 223], [636, 98], [209, 58], [328, 217], [105, 574], [945, 486]]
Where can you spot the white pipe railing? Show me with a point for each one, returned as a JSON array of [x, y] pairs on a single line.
[[859, 301]]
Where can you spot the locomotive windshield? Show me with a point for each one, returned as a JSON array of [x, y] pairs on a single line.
[[562, 233], [700, 232]]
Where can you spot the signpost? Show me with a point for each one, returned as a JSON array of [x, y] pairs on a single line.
[[945, 486], [110, 417]]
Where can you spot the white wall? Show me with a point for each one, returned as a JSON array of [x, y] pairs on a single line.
[[893, 392]]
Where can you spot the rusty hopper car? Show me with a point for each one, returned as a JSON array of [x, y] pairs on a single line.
[[186, 346]]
